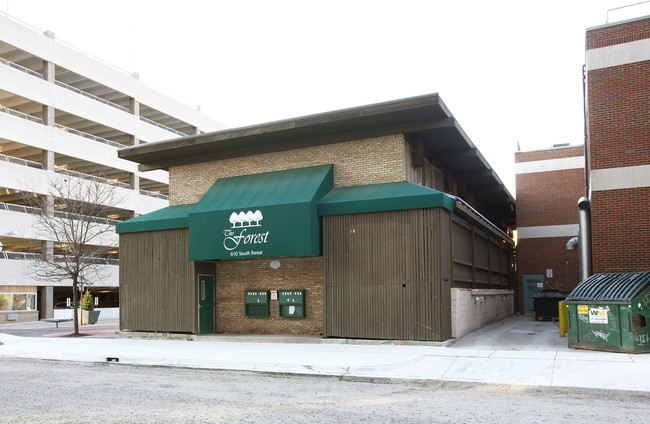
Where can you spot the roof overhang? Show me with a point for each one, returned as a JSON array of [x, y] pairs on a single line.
[[424, 119]]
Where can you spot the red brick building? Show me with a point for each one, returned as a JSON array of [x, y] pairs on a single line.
[[549, 183], [618, 144], [617, 178]]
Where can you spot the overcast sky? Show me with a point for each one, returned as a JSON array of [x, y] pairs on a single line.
[[509, 71]]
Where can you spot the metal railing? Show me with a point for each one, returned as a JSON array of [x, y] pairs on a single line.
[[164, 127], [19, 161], [57, 258], [60, 127], [20, 208], [92, 96], [79, 217], [21, 68], [87, 135], [58, 170], [59, 214], [21, 115], [94, 260], [154, 194], [91, 177], [19, 255]]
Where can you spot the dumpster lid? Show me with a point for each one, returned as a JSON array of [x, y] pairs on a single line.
[[622, 287], [550, 294]]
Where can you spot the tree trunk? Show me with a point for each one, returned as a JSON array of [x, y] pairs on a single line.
[[75, 305]]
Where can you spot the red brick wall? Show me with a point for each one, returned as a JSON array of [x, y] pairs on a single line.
[[235, 276], [549, 198], [556, 153], [545, 199], [621, 230], [618, 34], [619, 115], [536, 255], [619, 136]]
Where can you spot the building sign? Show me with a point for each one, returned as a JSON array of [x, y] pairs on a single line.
[[264, 215], [258, 232], [245, 237]]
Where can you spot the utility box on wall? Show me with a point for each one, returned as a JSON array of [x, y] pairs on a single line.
[[257, 303], [292, 303]]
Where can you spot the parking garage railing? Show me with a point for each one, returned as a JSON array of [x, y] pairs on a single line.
[[89, 177], [21, 68], [92, 96], [59, 214], [26, 256], [19, 161], [164, 127], [20, 115], [87, 135]]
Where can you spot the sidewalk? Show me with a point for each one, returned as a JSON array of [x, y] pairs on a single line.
[[557, 367]]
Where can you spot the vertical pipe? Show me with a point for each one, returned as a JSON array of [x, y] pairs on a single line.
[[584, 238]]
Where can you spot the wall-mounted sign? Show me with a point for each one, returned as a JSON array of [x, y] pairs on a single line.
[[245, 237]]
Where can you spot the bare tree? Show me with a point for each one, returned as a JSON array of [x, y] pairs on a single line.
[[73, 219]]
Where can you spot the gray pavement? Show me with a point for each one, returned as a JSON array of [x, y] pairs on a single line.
[[517, 351]]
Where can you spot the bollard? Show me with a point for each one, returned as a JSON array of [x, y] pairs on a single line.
[[562, 317]]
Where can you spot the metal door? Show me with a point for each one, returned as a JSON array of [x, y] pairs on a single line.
[[533, 284], [206, 304]]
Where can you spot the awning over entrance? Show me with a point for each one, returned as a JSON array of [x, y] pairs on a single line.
[[260, 215], [382, 197], [169, 218]]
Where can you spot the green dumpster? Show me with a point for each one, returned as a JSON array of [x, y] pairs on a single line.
[[610, 312]]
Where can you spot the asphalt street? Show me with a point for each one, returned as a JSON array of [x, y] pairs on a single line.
[[38, 391]]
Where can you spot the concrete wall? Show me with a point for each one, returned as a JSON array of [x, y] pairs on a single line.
[[19, 272], [106, 313], [472, 309], [22, 316]]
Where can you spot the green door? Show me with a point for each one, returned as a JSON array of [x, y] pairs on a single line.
[[206, 304]]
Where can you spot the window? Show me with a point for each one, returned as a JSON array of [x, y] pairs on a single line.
[[17, 301]]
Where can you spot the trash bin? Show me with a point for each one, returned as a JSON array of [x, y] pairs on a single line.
[[610, 312], [545, 304]]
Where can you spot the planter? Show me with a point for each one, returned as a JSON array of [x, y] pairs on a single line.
[[88, 317]]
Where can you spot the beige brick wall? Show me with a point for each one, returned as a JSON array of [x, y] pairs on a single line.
[[358, 162], [234, 277]]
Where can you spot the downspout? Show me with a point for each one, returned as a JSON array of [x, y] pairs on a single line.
[[584, 238]]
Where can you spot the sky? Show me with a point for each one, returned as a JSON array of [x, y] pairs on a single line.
[[509, 71]]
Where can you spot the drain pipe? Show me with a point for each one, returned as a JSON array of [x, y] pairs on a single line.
[[584, 238]]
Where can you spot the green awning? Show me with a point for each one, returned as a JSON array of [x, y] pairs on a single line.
[[382, 197], [260, 215], [168, 218]]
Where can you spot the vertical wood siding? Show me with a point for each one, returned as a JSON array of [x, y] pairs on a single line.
[[480, 260], [157, 282], [387, 275]]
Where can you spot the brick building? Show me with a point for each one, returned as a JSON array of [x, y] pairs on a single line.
[[382, 221], [549, 183], [617, 161], [618, 144]]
